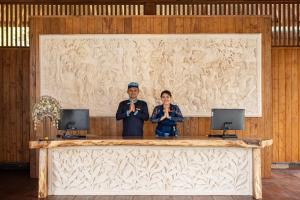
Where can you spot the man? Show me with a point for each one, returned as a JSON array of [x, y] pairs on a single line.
[[133, 112]]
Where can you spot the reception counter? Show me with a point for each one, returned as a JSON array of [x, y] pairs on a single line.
[[150, 166]]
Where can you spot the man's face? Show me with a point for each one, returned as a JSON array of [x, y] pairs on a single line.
[[133, 92]]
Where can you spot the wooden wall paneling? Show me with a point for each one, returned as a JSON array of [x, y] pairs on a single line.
[[69, 25], [193, 126], [179, 25], [239, 24], [275, 100], [106, 23], [249, 25], [171, 25], [227, 24], [59, 26], [187, 25], [294, 107], [150, 25], [91, 25], [297, 63], [32, 153], [127, 25], [135, 25], [120, 127], [2, 114], [213, 25], [279, 91], [11, 109], [286, 90], [107, 130], [13, 125], [164, 25], [7, 66], [9, 59], [266, 88], [194, 26], [207, 127], [253, 127], [76, 25], [168, 24], [25, 105], [36, 28], [200, 123], [113, 126], [281, 109], [18, 105], [93, 124], [288, 97], [265, 29], [83, 25], [4, 103], [120, 25], [98, 25]]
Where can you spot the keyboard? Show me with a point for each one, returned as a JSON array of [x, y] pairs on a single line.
[[223, 136], [70, 136]]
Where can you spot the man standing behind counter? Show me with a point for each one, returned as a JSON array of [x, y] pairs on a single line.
[[133, 112]]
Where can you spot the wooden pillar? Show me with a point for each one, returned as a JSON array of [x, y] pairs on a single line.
[[257, 183], [43, 173]]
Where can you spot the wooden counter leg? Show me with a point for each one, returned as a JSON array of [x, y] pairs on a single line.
[[257, 182], [43, 173]]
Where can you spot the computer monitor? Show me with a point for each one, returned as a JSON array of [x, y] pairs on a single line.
[[227, 119], [74, 119]]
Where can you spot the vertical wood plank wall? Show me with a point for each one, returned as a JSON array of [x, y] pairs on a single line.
[[260, 127], [286, 104], [285, 100], [14, 98]]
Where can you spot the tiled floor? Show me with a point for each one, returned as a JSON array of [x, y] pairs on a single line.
[[283, 185]]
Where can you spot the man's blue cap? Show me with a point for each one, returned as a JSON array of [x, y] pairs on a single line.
[[133, 84]]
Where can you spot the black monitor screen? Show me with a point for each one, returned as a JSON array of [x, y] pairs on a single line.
[[74, 119], [233, 119]]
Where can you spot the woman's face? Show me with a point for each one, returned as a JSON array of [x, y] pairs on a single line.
[[166, 99]]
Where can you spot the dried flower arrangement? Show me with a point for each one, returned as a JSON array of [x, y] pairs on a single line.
[[46, 106]]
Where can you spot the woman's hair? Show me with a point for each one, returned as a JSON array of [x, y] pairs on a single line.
[[166, 92]]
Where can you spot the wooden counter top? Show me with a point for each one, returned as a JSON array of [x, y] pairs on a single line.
[[179, 141]]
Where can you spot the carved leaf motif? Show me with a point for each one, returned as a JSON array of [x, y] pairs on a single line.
[[139, 169]]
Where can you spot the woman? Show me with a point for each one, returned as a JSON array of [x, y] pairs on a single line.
[[166, 115]]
